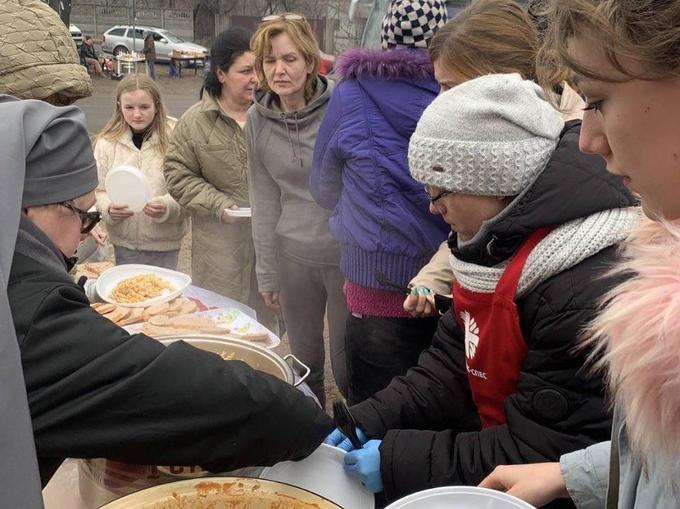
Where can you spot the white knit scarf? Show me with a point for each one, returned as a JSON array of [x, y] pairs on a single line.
[[565, 247]]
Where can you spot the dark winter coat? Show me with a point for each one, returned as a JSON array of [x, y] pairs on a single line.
[[87, 51], [149, 47], [96, 391], [427, 419], [360, 166]]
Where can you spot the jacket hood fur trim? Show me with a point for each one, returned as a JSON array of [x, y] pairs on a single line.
[[639, 334], [361, 63]]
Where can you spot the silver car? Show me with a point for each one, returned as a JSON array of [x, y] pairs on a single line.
[[119, 39]]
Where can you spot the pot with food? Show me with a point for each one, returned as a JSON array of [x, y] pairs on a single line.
[[255, 356], [223, 493]]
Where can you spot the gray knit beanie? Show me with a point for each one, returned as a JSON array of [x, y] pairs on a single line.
[[53, 146], [489, 136]]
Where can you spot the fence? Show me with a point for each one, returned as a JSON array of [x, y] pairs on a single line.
[[95, 19]]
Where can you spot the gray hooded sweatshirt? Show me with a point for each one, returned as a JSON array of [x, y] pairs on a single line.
[[286, 219]]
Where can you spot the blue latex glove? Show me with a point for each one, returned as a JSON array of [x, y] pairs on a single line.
[[338, 439], [364, 464]]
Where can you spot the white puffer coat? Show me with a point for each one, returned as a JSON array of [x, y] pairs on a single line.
[[140, 231]]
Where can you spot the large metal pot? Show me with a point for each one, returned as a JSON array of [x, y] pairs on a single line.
[[223, 493], [254, 355]]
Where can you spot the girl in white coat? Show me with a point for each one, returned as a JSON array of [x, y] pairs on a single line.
[[137, 135]]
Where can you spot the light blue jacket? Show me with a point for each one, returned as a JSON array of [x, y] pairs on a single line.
[[586, 473]]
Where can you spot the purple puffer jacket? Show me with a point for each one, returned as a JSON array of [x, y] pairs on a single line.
[[360, 167]]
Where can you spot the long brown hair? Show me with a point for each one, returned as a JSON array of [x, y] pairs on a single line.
[[646, 32], [488, 37], [116, 126], [302, 35]]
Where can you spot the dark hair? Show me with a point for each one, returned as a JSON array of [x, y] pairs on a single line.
[[229, 45], [88, 37]]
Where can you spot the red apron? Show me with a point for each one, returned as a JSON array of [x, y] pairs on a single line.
[[494, 345]]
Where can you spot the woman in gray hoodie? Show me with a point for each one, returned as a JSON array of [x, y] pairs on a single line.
[[297, 259]]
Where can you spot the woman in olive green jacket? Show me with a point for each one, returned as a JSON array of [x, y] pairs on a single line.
[[206, 172]]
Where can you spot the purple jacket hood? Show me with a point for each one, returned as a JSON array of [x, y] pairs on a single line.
[[360, 63], [399, 82]]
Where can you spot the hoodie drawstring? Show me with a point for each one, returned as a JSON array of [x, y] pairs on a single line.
[[297, 156], [297, 131]]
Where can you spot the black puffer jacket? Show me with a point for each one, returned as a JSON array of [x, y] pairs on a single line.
[[427, 418], [96, 391]]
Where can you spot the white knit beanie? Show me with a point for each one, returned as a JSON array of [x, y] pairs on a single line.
[[488, 136]]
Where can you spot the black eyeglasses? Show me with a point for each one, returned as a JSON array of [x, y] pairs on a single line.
[[88, 220], [434, 199]]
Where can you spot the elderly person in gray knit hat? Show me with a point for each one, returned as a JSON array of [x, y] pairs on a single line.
[[531, 234], [93, 389], [39, 61]]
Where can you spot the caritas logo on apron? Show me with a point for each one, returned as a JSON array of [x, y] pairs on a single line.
[[494, 344], [471, 342]]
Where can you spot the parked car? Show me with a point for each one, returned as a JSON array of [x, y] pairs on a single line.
[[119, 39], [76, 34]]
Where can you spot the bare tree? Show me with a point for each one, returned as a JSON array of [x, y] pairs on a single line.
[[63, 7], [204, 17]]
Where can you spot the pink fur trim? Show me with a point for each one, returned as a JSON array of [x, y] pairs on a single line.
[[639, 334]]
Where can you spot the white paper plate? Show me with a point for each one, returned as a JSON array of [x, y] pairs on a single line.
[[240, 212], [460, 497], [239, 323], [128, 185], [111, 277], [323, 473]]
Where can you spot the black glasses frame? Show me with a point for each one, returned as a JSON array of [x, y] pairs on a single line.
[[88, 220], [434, 199]]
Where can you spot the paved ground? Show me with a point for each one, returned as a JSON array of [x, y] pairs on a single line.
[[178, 95]]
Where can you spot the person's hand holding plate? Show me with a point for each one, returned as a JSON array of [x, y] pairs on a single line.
[[119, 211], [229, 219], [155, 208]]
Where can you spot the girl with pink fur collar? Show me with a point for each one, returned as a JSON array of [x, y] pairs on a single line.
[[623, 57]]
